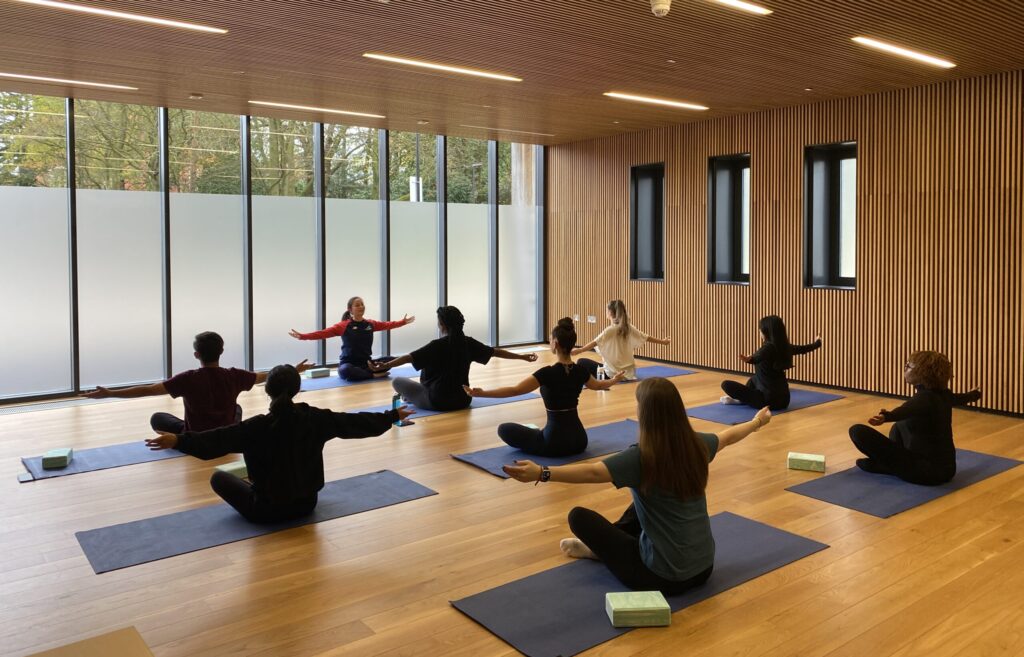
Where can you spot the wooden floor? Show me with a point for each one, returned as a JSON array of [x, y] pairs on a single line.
[[943, 579]]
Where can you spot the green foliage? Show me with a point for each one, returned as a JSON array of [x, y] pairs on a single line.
[[32, 141]]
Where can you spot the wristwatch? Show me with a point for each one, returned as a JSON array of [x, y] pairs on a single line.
[[545, 473]]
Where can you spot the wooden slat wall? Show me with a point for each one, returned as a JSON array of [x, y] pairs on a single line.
[[939, 237]]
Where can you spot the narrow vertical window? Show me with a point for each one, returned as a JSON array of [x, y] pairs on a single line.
[[729, 219], [647, 202], [830, 215]]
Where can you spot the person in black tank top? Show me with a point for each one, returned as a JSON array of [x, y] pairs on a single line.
[[768, 387], [920, 447], [444, 365], [560, 386]]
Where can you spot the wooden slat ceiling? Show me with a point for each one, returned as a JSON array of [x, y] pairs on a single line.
[[568, 52]]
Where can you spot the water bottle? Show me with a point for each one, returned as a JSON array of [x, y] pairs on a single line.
[[396, 401], [601, 376]]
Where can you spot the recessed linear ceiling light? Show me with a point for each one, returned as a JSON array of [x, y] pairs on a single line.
[[655, 101], [441, 67], [746, 6], [521, 132], [37, 78], [307, 108], [125, 15], [903, 52]]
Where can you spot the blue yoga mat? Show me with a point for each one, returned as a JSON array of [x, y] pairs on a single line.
[[478, 402], [560, 612], [885, 495], [334, 381], [601, 440], [142, 541], [666, 371], [98, 458], [736, 413]]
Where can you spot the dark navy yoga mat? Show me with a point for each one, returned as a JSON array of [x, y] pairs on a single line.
[[560, 612], [478, 402], [737, 413], [142, 541], [885, 495], [335, 381], [666, 371], [99, 458], [601, 440]]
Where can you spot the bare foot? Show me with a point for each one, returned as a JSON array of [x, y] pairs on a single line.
[[575, 548], [381, 375]]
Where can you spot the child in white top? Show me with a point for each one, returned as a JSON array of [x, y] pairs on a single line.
[[616, 344]]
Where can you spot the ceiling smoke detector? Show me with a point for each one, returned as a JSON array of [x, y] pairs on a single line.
[[660, 7]]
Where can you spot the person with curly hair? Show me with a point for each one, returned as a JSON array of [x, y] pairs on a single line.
[[919, 448], [444, 365]]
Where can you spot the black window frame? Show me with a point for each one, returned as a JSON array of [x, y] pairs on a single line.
[[825, 274], [657, 231], [734, 163]]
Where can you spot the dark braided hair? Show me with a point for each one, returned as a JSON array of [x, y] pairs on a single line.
[[452, 320]]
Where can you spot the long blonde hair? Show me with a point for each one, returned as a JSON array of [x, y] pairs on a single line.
[[619, 316], [673, 459]]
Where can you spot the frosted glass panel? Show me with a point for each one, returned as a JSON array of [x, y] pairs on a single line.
[[119, 287], [518, 305], [206, 275], [745, 221], [848, 218], [353, 261], [413, 273], [468, 266], [35, 325], [284, 278]]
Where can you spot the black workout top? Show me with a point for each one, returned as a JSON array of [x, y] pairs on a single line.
[[444, 363], [285, 457], [560, 386], [769, 376], [925, 424]]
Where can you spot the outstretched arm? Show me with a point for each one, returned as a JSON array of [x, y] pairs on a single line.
[[504, 353], [665, 340], [205, 445], [329, 332], [135, 391], [383, 367], [805, 348], [605, 384], [587, 347], [387, 326], [577, 473], [529, 384], [736, 433], [967, 397], [261, 377]]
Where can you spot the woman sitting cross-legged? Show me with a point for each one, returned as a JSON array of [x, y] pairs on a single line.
[[283, 450], [663, 541]]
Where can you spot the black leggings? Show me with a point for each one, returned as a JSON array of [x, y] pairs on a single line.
[[752, 396], [889, 456], [589, 365], [618, 546], [351, 372], [428, 399], [563, 435], [173, 424], [240, 495]]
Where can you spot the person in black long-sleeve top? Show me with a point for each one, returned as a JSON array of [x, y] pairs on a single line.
[[768, 387], [920, 447], [560, 386], [283, 450]]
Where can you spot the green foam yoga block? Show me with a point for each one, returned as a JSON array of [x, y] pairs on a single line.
[[637, 609], [801, 461], [237, 468], [55, 459], [319, 372]]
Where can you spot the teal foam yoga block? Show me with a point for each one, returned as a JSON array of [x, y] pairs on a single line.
[[319, 372], [801, 461], [637, 609], [237, 468], [55, 459]]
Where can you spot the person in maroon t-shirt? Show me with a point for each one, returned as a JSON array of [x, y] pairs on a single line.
[[209, 392]]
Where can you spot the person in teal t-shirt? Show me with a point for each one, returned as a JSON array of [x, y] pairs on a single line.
[[663, 541]]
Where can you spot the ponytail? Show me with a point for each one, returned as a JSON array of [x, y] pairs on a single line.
[[619, 317]]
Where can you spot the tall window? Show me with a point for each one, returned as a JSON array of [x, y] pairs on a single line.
[[35, 343], [468, 220], [120, 244], [283, 240], [352, 187], [519, 203], [413, 180], [830, 215], [729, 219], [207, 273], [646, 213]]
